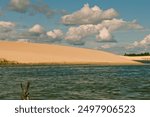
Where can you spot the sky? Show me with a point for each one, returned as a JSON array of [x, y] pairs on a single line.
[[118, 26]]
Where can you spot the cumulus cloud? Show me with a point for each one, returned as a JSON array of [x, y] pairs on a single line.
[[89, 15], [23, 6], [6, 24], [103, 30], [36, 29], [133, 25], [115, 24], [95, 23], [78, 33], [104, 35], [19, 5], [33, 34], [88, 23], [139, 46], [55, 34], [143, 43], [37, 34]]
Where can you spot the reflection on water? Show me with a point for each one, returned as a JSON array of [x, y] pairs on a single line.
[[76, 82]]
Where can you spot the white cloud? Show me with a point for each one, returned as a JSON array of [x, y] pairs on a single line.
[[109, 14], [55, 34], [115, 24], [32, 8], [133, 25], [19, 5], [104, 35], [106, 46], [89, 15], [103, 30], [36, 29], [95, 22], [37, 34], [6, 24], [34, 34], [78, 33], [142, 43]]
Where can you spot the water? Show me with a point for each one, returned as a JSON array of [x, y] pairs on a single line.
[[76, 82]]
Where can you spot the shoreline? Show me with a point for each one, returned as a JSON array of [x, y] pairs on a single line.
[[63, 64], [142, 59]]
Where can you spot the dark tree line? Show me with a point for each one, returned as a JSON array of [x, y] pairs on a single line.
[[140, 54]]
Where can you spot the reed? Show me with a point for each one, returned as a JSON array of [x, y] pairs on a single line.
[[25, 91]]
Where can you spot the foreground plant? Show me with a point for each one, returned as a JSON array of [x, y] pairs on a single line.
[[25, 91]]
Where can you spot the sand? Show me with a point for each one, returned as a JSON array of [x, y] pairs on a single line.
[[138, 58], [35, 53]]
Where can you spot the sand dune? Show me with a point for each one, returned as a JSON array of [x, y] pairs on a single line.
[[24, 52]]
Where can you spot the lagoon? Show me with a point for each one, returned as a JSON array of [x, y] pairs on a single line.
[[51, 82]]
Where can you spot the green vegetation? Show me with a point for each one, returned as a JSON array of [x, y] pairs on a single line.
[[141, 54], [6, 62]]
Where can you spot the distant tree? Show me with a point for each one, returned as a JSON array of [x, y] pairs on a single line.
[[141, 54]]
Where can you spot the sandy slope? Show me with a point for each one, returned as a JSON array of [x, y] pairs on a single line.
[[23, 52]]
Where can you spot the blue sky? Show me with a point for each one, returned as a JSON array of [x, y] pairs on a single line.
[[111, 25]]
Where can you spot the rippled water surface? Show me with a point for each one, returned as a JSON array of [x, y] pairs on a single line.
[[76, 82]]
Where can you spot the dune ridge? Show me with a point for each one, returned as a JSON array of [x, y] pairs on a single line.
[[36, 53]]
